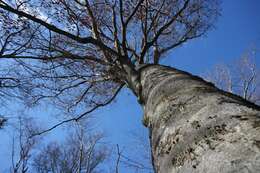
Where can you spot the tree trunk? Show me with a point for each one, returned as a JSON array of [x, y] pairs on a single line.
[[196, 127]]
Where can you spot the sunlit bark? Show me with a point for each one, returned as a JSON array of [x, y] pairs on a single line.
[[195, 127]]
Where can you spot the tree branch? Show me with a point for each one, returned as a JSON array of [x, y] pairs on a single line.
[[162, 29], [85, 40], [80, 116]]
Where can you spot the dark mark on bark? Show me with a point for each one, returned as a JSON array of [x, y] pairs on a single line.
[[167, 145], [254, 118], [213, 116], [257, 143], [182, 157], [256, 123], [196, 124], [240, 117]]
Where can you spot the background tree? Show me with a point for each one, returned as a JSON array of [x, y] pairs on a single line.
[[138, 160], [23, 145], [83, 52], [81, 151], [241, 78], [76, 154]]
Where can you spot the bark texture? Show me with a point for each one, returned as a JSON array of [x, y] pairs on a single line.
[[195, 127]]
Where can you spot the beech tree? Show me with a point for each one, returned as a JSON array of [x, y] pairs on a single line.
[[80, 53]]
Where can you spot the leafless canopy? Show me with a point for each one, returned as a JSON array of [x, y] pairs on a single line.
[[79, 52], [76, 155]]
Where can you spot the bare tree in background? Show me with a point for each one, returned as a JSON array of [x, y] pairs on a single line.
[[242, 77], [139, 161], [220, 75], [77, 154], [23, 145], [82, 151], [80, 53], [139, 158]]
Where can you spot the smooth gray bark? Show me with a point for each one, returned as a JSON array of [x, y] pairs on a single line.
[[195, 127]]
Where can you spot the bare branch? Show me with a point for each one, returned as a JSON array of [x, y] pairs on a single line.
[[80, 116], [162, 29], [53, 28]]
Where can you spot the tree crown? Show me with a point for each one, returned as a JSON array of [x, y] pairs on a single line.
[[81, 52]]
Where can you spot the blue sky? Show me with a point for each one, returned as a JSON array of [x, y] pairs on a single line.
[[236, 31]]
